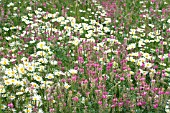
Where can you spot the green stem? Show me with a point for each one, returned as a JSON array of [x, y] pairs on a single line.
[[0, 104]]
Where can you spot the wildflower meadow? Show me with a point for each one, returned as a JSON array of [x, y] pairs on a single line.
[[84, 56]]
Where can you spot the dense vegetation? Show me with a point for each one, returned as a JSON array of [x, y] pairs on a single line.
[[84, 56]]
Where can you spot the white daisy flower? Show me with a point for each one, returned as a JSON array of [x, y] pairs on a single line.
[[41, 45]]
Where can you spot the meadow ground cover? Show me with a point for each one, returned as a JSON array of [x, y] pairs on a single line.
[[85, 56]]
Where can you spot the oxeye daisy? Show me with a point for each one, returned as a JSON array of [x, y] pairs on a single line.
[[28, 8], [41, 53], [30, 68], [49, 76], [21, 70], [41, 45], [12, 81], [43, 60], [34, 85], [12, 97], [19, 93], [3, 106], [131, 46], [41, 68], [36, 97], [38, 78], [148, 65], [4, 61], [2, 89], [28, 110], [7, 82], [132, 31], [53, 62], [147, 55], [66, 85], [73, 71]]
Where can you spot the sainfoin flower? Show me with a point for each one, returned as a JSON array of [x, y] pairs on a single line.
[[76, 99], [10, 105]]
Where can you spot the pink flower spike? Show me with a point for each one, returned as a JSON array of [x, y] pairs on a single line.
[[113, 106], [100, 102], [104, 96], [155, 106], [169, 55], [76, 99], [11, 105], [122, 78]]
